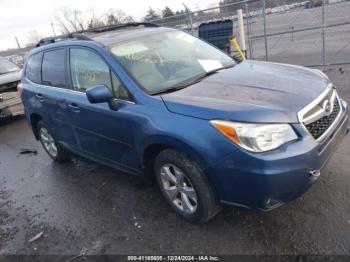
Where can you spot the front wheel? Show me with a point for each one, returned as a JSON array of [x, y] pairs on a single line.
[[185, 187], [49, 143]]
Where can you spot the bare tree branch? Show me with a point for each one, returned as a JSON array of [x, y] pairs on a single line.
[[73, 20], [63, 28]]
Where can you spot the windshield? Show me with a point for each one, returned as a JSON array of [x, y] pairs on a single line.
[[168, 59], [6, 66]]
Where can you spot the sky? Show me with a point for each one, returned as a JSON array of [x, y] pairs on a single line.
[[21, 18]]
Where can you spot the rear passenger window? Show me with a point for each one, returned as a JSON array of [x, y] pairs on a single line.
[[33, 68], [53, 68], [88, 69]]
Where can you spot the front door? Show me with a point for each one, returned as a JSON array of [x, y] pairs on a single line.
[[104, 134]]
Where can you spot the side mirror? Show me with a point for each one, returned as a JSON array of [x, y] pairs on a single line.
[[101, 94]]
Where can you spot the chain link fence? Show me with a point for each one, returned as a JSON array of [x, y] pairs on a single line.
[[310, 33]]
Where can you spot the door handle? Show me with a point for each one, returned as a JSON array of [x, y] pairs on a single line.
[[74, 107], [40, 97]]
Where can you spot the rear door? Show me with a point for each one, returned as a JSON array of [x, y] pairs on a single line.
[[52, 93], [31, 82], [102, 133]]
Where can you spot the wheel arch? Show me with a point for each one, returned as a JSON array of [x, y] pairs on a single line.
[[154, 145], [34, 120]]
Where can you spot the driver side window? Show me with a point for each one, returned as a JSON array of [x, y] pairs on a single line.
[[88, 69]]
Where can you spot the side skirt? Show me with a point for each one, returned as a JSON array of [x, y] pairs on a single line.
[[102, 161]]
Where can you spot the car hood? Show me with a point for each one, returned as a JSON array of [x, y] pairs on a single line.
[[10, 77], [252, 91]]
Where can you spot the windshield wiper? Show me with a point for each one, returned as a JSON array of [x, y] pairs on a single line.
[[169, 90], [206, 74], [191, 81]]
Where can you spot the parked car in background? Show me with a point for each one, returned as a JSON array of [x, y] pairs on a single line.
[[158, 102], [313, 3], [10, 101]]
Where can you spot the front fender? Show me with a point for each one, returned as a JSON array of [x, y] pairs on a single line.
[[172, 142]]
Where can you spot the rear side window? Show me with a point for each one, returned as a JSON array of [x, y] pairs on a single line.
[[53, 68], [33, 68]]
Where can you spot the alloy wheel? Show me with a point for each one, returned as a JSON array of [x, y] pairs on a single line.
[[48, 142], [178, 188]]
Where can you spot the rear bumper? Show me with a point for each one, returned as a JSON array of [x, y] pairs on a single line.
[[266, 181]]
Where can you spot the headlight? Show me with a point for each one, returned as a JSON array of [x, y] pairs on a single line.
[[256, 137]]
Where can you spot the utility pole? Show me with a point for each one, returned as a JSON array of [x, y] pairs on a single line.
[[53, 29], [323, 33], [19, 47], [19, 51], [248, 29], [241, 31], [265, 36]]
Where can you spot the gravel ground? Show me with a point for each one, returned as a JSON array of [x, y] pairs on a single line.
[[84, 207]]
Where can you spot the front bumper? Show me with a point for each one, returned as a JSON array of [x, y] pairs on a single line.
[[268, 180], [10, 105]]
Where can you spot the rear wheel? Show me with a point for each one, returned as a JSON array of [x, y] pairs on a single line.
[[185, 187], [49, 143]]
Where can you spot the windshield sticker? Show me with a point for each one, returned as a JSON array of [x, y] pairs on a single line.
[[209, 65], [186, 37], [144, 59]]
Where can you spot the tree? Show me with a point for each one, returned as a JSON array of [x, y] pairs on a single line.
[[180, 12], [73, 20], [111, 18], [114, 17], [70, 20], [167, 12], [151, 15], [94, 22]]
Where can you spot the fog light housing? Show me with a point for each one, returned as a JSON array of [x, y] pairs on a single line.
[[271, 203], [315, 173]]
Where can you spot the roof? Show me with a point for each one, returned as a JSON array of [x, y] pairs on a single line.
[[107, 35], [118, 36]]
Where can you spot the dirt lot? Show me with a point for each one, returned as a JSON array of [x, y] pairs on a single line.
[[80, 206]]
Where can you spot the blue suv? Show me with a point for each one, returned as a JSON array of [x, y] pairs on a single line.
[[158, 102]]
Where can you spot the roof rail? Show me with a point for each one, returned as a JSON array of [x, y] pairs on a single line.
[[119, 26], [54, 39], [80, 34]]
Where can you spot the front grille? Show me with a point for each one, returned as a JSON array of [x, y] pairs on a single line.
[[320, 126], [12, 86]]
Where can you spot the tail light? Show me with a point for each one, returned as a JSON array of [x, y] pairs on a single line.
[[20, 88]]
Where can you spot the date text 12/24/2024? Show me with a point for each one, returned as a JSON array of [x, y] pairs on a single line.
[[173, 258]]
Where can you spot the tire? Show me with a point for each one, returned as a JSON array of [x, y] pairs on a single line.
[[200, 203], [54, 149]]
